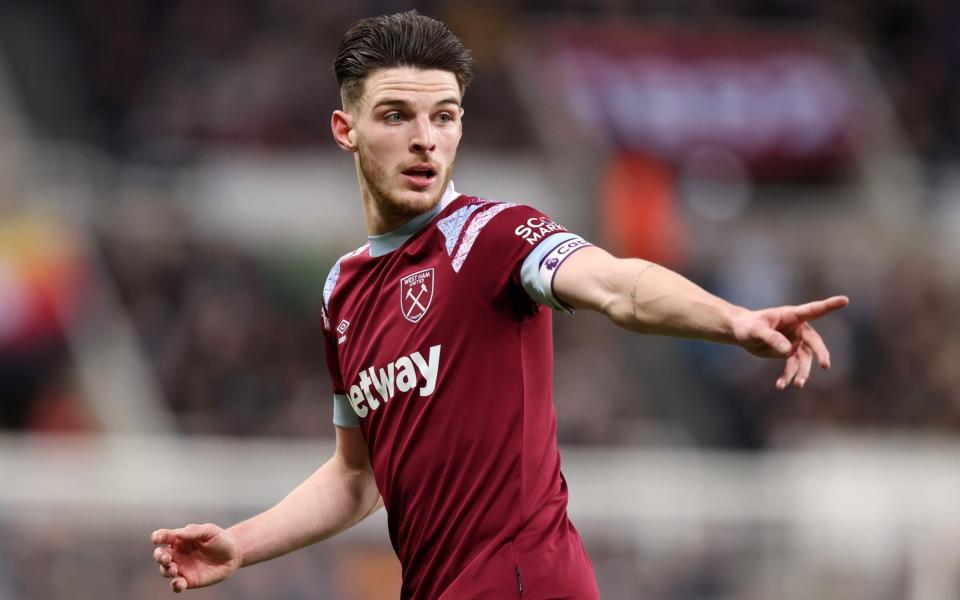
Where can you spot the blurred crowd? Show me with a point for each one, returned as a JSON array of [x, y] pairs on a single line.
[[166, 80], [163, 80], [234, 337]]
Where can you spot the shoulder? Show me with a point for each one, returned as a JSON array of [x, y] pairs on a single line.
[[334, 275], [470, 221]]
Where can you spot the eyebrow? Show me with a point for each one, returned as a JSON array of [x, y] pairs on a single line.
[[403, 103]]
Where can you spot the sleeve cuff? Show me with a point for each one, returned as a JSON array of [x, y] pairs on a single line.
[[343, 415], [541, 265]]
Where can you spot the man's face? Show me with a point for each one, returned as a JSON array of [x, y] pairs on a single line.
[[407, 126]]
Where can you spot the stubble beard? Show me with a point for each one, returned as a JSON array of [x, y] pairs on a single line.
[[374, 176]]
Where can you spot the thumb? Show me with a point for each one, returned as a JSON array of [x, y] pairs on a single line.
[[198, 533]]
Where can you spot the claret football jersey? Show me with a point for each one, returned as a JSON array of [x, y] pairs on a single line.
[[439, 346]]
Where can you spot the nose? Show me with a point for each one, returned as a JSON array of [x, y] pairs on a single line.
[[422, 139]]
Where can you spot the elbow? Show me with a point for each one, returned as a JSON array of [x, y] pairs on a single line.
[[624, 312], [361, 488], [358, 480], [361, 480], [625, 307]]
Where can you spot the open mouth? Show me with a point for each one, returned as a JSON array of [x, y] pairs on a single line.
[[420, 175]]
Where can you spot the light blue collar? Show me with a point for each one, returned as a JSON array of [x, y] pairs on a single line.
[[385, 243]]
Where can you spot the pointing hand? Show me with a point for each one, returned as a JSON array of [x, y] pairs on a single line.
[[785, 332]]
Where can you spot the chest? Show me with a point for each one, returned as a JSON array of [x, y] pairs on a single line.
[[389, 312]]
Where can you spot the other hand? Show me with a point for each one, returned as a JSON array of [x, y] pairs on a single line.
[[196, 555]]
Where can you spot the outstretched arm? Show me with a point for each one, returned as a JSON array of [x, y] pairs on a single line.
[[645, 297], [336, 496]]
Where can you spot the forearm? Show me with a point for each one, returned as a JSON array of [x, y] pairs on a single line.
[[648, 298], [332, 499]]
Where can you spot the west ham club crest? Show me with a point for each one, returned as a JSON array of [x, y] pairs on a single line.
[[416, 292]]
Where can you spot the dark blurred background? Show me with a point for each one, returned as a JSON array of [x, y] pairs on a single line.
[[170, 203]]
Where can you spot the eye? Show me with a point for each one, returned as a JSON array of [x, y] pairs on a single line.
[[393, 117], [445, 117]]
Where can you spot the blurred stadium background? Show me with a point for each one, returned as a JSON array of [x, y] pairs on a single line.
[[170, 202]]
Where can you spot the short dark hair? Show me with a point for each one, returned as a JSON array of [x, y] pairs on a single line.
[[406, 39]]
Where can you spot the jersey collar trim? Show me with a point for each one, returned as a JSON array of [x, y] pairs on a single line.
[[385, 243]]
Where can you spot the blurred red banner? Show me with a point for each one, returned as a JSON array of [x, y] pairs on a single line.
[[783, 101]]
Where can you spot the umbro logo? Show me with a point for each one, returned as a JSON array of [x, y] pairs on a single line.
[[342, 330]]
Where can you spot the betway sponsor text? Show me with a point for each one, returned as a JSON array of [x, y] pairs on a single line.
[[402, 375]]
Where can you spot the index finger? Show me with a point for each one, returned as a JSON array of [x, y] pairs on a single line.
[[819, 308]]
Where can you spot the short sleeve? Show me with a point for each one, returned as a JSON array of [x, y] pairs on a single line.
[[540, 267], [343, 415], [510, 253]]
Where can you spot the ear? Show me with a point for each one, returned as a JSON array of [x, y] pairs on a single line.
[[341, 123]]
